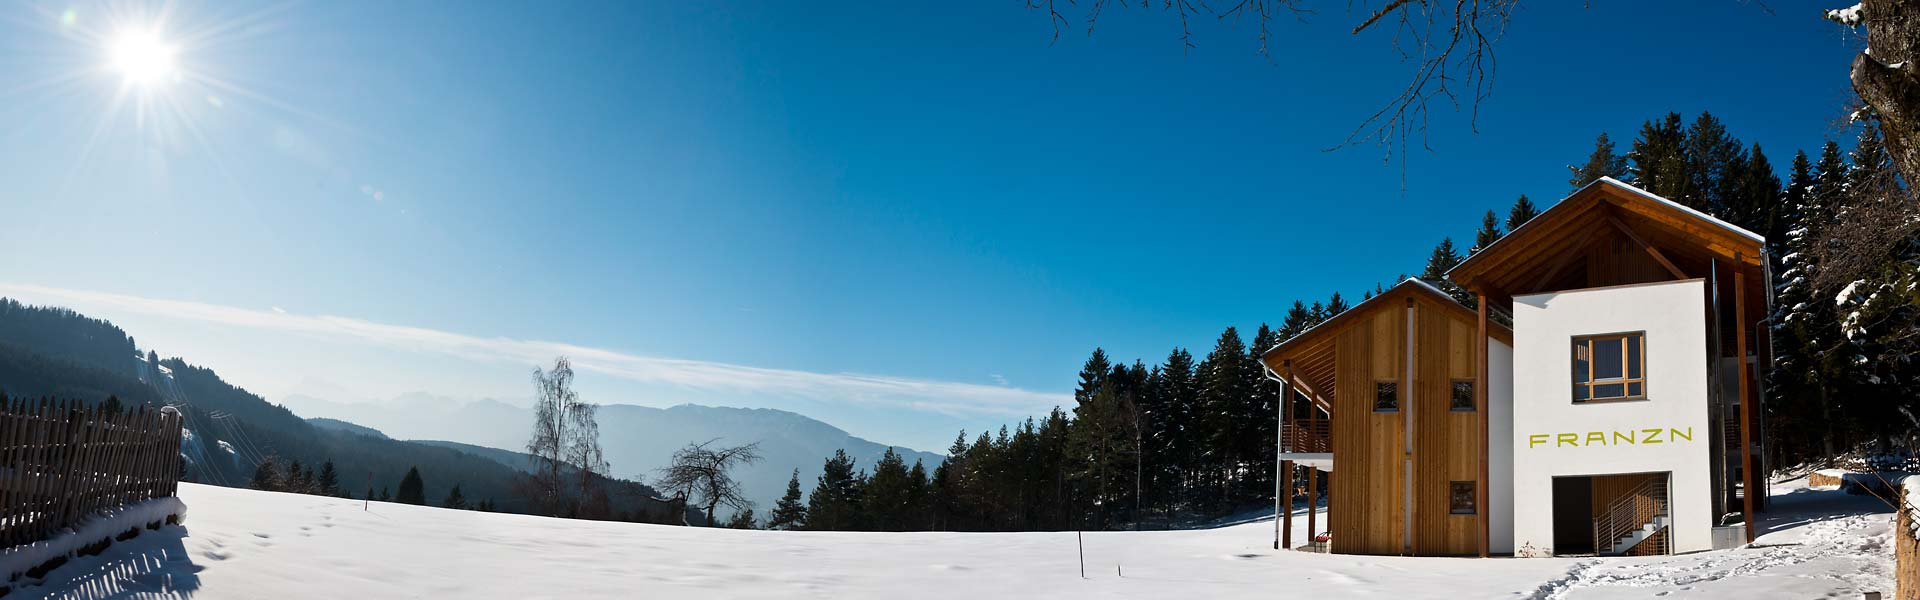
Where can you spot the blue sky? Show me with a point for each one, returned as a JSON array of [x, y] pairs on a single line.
[[740, 203]]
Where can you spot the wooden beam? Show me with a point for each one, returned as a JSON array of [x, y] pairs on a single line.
[[1286, 514], [1480, 400], [1313, 499], [1746, 399], [1655, 252], [1573, 251], [1283, 493]]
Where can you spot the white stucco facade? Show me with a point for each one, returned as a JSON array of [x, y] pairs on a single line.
[[1499, 455], [1669, 430]]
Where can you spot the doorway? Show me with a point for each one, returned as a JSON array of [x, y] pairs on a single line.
[[1573, 515]]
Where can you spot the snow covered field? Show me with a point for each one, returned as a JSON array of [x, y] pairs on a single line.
[[248, 544]]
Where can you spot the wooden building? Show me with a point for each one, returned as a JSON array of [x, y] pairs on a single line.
[[1385, 398], [1617, 414]]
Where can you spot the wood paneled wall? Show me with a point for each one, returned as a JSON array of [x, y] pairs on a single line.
[[1370, 508]]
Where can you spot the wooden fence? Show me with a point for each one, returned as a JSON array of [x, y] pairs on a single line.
[[60, 462]]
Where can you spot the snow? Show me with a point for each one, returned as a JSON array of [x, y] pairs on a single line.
[[108, 523], [1846, 292], [252, 544], [1850, 16]]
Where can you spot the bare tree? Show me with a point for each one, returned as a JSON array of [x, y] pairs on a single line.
[[566, 435], [703, 472]]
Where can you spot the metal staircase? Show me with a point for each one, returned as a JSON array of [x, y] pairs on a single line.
[[1633, 518]]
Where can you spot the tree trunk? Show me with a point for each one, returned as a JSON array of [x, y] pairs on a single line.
[[1888, 79]]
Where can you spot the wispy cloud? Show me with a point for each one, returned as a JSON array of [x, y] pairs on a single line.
[[946, 397]]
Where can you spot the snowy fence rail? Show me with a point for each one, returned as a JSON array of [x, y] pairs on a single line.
[[61, 462]]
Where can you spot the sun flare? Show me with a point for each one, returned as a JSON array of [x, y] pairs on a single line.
[[143, 58]]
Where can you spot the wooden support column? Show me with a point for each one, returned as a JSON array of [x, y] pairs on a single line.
[[1480, 403], [1313, 499], [1286, 506], [1746, 396], [1283, 497]]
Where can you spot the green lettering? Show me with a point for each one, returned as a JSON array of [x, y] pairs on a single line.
[[1567, 438], [1653, 436], [1622, 436], [1536, 439], [1675, 433], [1595, 436]]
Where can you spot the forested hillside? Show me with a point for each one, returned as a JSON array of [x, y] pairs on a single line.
[[1187, 439], [233, 431]]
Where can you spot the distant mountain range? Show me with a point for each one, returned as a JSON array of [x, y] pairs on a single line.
[[638, 440]]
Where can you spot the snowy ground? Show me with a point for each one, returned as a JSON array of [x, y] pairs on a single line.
[[247, 544]]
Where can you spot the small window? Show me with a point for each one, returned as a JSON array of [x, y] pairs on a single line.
[[1386, 396], [1463, 400], [1461, 498], [1609, 367]]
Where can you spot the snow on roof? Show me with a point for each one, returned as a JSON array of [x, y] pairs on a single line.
[[1413, 280], [1703, 216]]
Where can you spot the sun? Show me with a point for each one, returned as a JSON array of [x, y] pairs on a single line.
[[143, 57]]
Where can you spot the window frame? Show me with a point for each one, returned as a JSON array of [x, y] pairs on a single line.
[[1472, 497], [1396, 395], [1473, 395], [1626, 378]]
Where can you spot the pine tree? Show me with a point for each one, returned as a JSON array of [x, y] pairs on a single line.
[[1792, 200], [412, 489], [266, 476], [298, 480], [1488, 234], [1335, 306], [887, 498], [1659, 164], [1522, 211], [1603, 162], [328, 481], [833, 504], [791, 511], [1753, 193], [742, 520], [112, 405], [1297, 321], [454, 498], [1179, 394], [384, 496], [1714, 160], [1224, 379], [1444, 258]]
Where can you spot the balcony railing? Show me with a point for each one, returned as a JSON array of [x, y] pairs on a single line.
[[1313, 436]]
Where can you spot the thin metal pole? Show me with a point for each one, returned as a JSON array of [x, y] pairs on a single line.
[[1081, 541]]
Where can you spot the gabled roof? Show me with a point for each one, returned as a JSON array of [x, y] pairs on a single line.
[[1526, 256], [1413, 285], [1312, 351]]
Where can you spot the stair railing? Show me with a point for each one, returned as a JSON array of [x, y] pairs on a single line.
[[1634, 510]]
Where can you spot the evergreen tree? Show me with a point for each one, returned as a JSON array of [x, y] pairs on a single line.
[[112, 406], [1659, 161], [920, 495], [834, 502], [1178, 393], [412, 489], [887, 498], [328, 481], [1522, 211], [1603, 162], [1444, 258], [1792, 200], [742, 519], [1297, 321], [1753, 193], [454, 498], [384, 496], [1224, 380], [1488, 234], [1335, 306], [266, 476], [1714, 160], [790, 512], [298, 480]]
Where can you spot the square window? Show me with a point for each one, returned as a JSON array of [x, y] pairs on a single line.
[[1463, 399], [1461, 498], [1386, 396], [1609, 367]]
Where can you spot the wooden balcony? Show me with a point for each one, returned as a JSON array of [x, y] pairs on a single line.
[[1310, 436]]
